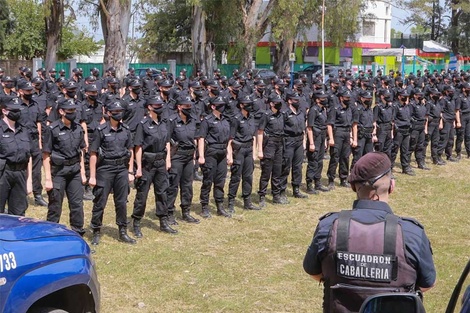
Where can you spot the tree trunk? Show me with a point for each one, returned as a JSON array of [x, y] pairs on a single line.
[[281, 63], [115, 19], [199, 40], [54, 21]]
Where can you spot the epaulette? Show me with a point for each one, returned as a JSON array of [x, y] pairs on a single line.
[[207, 117], [326, 215], [54, 124], [125, 126], [412, 220], [101, 126]]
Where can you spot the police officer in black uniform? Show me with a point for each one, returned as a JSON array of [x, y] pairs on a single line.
[[152, 154], [366, 132], [351, 245], [182, 133], [15, 152], [215, 152], [294, 127], [244, 129], [316, 136], [270, 138], [401, 132], [135, 106], [419, 127], [33, 118], [462, 105], [7, 90], [342, 134], [383, 120], [450, 121], [62, 151], [435, 124], [111, 167]]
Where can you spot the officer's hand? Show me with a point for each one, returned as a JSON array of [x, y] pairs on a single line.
[[229, 160], [168, 165], [311, 147], [131, 178], [458, 125], [331, 142], [353, 143], [138, 173], [374, 138], [83, 176], [92, 182], [260, 155], [201, 160], [49, 186], [441, 126]]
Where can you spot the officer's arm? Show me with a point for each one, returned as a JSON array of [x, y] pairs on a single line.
[[93, 160], [85, 130], [138, 160], [201, 147], [46, 160], [311, 139], [260, 140], [318, 277], [39, 126], [131, 162]]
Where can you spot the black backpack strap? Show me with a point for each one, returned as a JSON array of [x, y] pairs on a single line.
[[390, 234], [342, 231]]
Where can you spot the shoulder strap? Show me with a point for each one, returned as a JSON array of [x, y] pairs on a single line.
[[342, 231], [390, 234]]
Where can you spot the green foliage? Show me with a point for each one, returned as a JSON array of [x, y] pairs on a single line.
[[5, 22], [27, 37], [341, 20]]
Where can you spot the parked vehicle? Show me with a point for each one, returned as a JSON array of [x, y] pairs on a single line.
[[45, 268]]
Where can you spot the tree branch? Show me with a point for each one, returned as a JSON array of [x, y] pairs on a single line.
[[91, 2], [103, 8]]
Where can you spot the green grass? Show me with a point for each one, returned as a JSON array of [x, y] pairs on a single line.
[[253, 262]]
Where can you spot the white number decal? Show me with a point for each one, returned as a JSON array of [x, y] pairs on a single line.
[[7, 262], [13, 260]]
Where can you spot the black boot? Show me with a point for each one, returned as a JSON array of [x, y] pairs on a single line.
[[171, 218], [39, 201], [136, 228], [188, 218], [278, 199], [284, 197], [165, 227], [320, 187], [452, 159], [409, 171], [95, 240], [231, 206], [205, 213], [297, 193], [124, 237], [344, 183], [311, 190], [248, 205], [221, 210], [422, 166], [88, 195], [197, 176], [262, 202]]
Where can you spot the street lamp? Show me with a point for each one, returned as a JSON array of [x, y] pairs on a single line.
[[403, 59]]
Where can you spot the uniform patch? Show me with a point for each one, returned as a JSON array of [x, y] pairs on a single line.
[[371, 267]]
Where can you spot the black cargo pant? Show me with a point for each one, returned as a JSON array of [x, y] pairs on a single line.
[[339, 154], [36, 156], [292, 160], [181, 176], [153, 173], [214, 171], [66, 180], [110, 177], [271, 165], [315, 159], [242, 170], [433, 138], [364, 145], [384, 139], [417, 143], [463, 134], [446, 138], [401, 142], [13, 189]]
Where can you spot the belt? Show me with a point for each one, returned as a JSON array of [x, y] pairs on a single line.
[[185, 151], [119, 161], [295, 138], [154, 156], [72, 161], [217, 145], [16, 166], [343, 128]]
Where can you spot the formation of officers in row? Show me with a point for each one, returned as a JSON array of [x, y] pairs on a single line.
[[156, 130]]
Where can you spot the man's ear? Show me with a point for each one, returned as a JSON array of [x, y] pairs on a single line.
[[392, 186]]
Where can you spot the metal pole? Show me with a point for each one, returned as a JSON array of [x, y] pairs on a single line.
[[323, 41]]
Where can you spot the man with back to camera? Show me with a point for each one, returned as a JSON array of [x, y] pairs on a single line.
[[369, 250]]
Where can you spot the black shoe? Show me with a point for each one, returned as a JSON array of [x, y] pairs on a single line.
[[409, 171], [459, 156], [331, 185], [190, 219], [438, 161], [422, 166], [205, 213], [311, 190], [124, 237], [248, 205], [452, 159], [298, 194], [171, 219], [136, 228], [278, 199], [88, 194], [320, 187], [39, 201], [284, 197], [262, 202], [165, 227], [221, 210], [197, 176], [95, 240], [345, 184], [231, 206]]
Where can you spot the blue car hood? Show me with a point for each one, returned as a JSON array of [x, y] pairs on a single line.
[[18, 228]]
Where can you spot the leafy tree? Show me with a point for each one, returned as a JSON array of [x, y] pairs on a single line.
[[5, 23], [427, 16], [76, 42]]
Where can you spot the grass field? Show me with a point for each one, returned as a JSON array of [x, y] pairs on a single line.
[[253, 261]]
